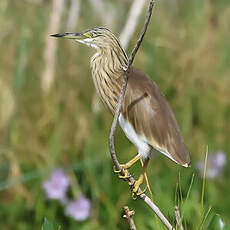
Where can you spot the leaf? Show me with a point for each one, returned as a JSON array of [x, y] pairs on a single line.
[[216, 223]]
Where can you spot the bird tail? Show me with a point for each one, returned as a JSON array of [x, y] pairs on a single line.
[[147, 182]]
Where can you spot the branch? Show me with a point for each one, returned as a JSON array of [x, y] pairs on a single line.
[[129, 216], [116, 163], [178, 218]]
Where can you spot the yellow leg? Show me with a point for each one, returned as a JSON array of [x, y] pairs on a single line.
[[140, 180], [147, 182], [127, 166], [131, 162]]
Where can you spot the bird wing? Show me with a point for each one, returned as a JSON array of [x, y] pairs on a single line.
[[147, 110]]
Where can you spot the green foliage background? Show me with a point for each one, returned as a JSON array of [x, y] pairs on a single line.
[[187, 53]]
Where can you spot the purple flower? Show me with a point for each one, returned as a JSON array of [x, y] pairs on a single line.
[[79, 209], [215, 164], [56, 186]]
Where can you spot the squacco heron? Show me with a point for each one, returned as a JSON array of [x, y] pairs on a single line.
[[146, 117]]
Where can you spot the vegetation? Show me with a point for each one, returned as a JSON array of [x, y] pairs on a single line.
[[186, 51]]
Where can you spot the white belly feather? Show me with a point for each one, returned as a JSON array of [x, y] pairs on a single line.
[[139, 141]]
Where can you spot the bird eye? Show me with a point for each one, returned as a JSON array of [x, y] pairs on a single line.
[[88, 34], [93, 35]]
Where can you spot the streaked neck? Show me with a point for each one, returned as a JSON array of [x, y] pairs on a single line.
[[107, 67], [112, 60]]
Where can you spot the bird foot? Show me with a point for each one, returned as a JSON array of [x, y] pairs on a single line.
[[123, 175], [136, 194], [136, 187]]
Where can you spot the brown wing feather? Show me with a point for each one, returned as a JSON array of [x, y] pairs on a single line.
[[150, 114]]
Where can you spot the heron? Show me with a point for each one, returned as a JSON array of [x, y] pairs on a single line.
[[146, 117]]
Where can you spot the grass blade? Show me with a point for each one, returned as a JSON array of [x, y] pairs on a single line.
[[204, 179]]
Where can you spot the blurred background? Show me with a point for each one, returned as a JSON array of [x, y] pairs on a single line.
[[54, 156]]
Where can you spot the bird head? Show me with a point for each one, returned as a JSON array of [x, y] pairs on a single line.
[[97, 38]]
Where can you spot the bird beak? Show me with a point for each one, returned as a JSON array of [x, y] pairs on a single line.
[[83, 38], [76, 36]]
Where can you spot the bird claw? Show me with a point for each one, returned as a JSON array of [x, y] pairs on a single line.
[[131, 184], [135, 193], [125, 175], [115, 170], [136, 187]]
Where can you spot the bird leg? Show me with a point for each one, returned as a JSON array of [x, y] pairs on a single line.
[[140, 180], [126, 167]]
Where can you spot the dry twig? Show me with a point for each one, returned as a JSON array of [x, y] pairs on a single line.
[[129, 216], [116, 163], [178, 218]]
